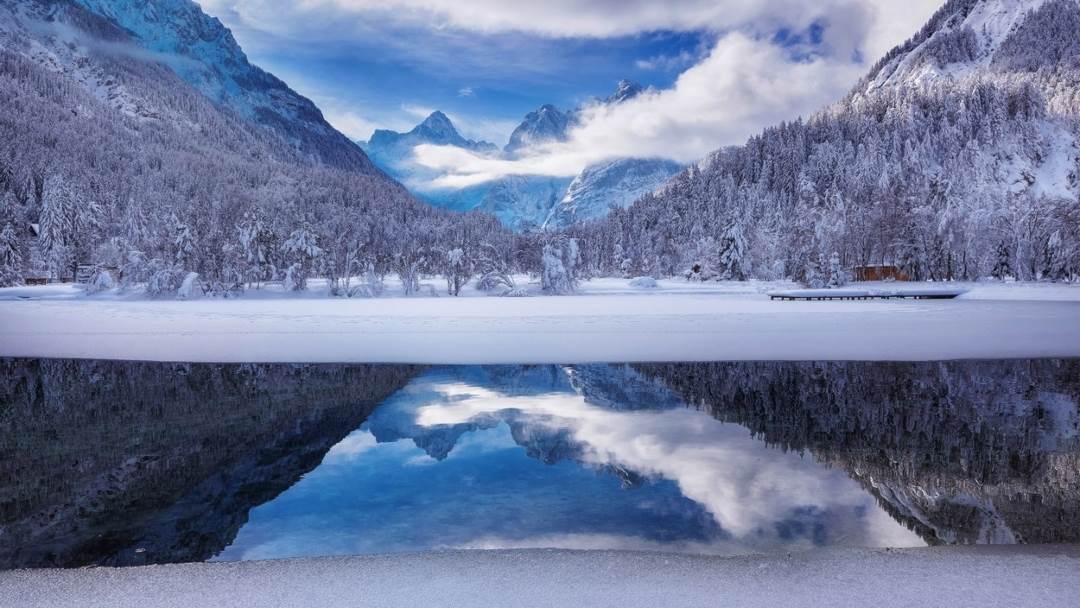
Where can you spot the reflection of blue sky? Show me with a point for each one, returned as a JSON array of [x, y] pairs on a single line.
[[708, 486]]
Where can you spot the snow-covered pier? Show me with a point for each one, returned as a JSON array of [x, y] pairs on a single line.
[[866, 294]]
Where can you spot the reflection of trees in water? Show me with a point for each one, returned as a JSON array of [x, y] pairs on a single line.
[[970, 451], [126, 463]]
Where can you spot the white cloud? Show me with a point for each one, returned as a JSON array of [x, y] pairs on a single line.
[[416, 110], [745, 485], [743, 85], [353, 125], [466, 92], [666, 62], [887, 19]]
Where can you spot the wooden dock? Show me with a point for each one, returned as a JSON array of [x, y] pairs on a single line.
[[866, 294]]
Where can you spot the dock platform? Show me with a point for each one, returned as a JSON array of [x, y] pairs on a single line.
[[866, 294]]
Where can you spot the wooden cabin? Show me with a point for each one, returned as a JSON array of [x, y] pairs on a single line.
[[880, 272]]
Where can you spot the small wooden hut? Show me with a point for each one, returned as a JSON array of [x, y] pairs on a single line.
[[880, 272]]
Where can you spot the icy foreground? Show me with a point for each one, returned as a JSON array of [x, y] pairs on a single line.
[[984, 576], [603, 325]]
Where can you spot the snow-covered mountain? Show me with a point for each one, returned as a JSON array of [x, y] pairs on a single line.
[[204, 53], [963, 39], [523, 201], [957, 156], [618, 183], [390, 148], [546, 123], [138, 137], [393, 152]]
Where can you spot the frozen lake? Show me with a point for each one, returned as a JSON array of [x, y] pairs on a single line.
[[126, 463]]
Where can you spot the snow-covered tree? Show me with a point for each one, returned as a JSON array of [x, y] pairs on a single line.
[[184, 246], [407, 265], [837, 276], [56, 230], [163, 278], [1054, 258], [813, 277], [301, 249], [493, 270], [10, 257], [458, 270], [257, 245], [731, 262], [560, 260], [1002, 267]]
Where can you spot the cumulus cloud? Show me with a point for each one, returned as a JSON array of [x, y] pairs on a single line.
[[881, 20], [744, 84], [745, 485]]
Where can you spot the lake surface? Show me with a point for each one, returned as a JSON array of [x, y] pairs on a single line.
[[120, 463]]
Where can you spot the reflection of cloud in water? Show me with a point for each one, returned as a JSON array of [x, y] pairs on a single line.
[[753, 491], [453, 460]]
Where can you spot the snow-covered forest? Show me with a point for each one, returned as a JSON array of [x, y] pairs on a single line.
[[107, 158], [956, 158]]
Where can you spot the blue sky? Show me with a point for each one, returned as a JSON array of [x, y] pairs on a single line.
[[721, 69], [487, 83]]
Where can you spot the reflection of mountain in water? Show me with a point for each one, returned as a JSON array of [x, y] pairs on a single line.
[[618, 387], [127, 463], [961, 452]]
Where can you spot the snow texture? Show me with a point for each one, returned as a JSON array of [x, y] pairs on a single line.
[[607, 322], [986, 577]]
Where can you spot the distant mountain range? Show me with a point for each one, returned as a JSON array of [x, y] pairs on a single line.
[[523, 201]]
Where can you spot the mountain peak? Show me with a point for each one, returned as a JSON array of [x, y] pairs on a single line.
[[546, 123], [969, 36], [626, 89], [437, 128]]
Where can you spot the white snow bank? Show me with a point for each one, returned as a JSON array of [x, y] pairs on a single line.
[[644, 283], [577, 329], [983, 577], [317, 290]]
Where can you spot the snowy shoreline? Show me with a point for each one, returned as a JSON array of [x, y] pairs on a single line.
[[596, 327], [983, 576]]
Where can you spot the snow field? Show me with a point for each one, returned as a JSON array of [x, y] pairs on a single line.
[[607, 322], [983, 577]]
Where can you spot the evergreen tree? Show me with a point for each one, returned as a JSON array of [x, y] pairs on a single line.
[[837, 276], [301, 249], [55, 229], [10, 257], [1003, 267], [731, 263]]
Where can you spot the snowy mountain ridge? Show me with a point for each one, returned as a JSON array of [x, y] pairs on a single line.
[[962, 38], [546, 123], [523, 201], [118, 161], [957, 156], [202, 51], [618, 183]]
